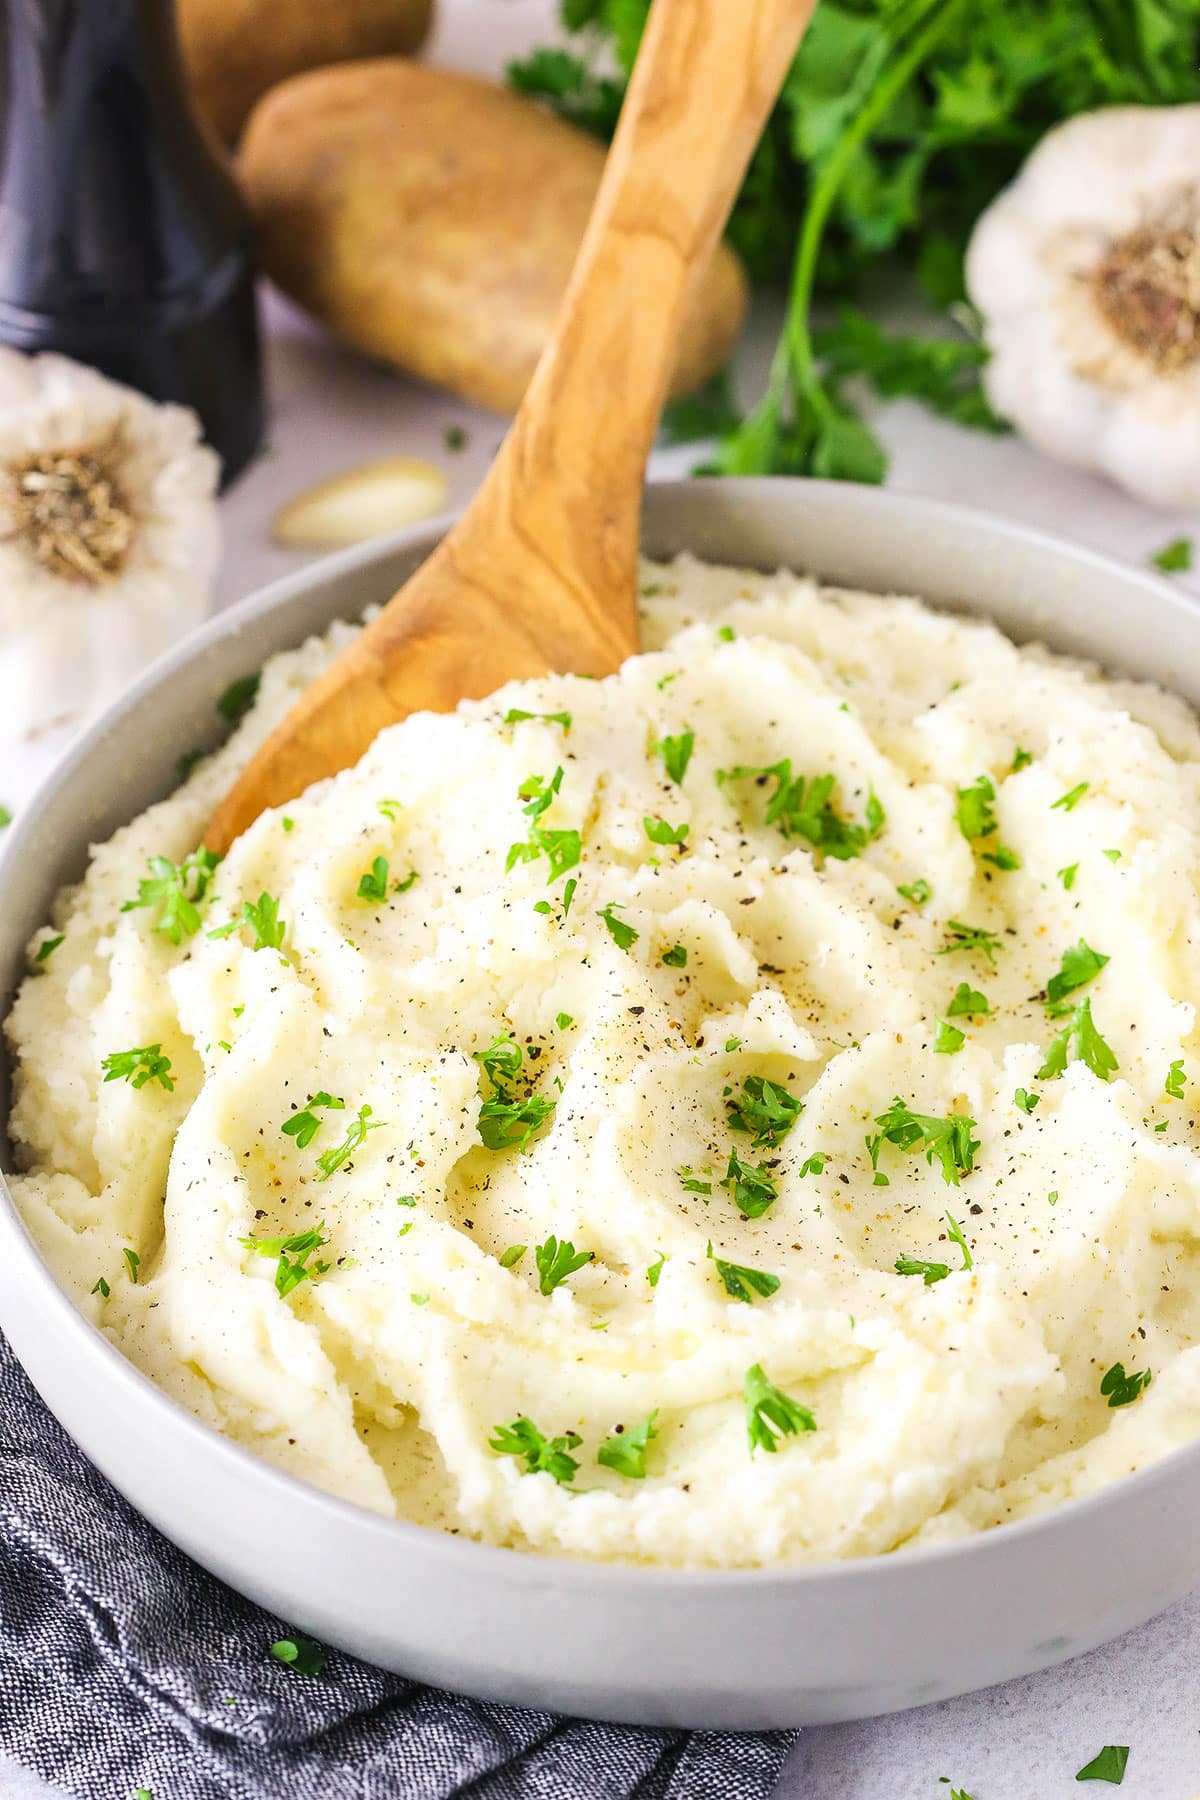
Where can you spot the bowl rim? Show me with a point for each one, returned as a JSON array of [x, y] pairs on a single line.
[[514, 1565]]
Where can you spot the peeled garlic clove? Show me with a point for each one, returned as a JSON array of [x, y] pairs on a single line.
[[363, 503]]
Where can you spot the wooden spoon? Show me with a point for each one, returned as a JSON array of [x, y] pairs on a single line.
[[540, 572]]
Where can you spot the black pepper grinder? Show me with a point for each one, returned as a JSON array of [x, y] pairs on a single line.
[[123, 241]]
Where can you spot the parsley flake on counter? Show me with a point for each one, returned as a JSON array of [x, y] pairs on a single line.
[[659, 832], [971, 938], [917, 893], [676, 753], [622, 935], [304, 1126], [947, 1139], [356, 1136], [137, 1067], [1122, 1389], [1070, 800], [47, 947], [803, 807], [262, 916], [691, 1183], [176, 889], [967, 1002], [1025, 1100], [512, 1256], [1080, 964], [1108, 1765], [542, 1455], [947, 1039], [238, 698], [770, 1414], [676, 957], [1079, 1040], [656, 1269], [556, 1260], [133, 1263], [764, 1110], [742, 1283], [300, 1653], [626, 1451], [1174, 558], [373, 885], [752, 1189], [1067, 875], [1176, 1081], [515, 715], [293, 1253], [102, 1288]]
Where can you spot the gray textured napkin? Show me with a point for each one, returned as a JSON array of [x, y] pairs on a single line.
[[123, 1665]]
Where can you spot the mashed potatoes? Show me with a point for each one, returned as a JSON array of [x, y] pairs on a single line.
[[737, 1112]]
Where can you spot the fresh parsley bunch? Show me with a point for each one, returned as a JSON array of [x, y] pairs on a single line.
[[898, 122]]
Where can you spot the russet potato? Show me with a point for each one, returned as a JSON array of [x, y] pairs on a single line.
[[432, 220]]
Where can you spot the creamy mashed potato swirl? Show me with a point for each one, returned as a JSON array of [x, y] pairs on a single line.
[[722, 1037]]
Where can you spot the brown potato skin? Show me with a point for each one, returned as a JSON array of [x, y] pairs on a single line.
[[431, 220], [234, 50]]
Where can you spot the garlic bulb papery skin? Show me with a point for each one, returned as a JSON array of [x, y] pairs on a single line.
[[108, 537], [1087, 273]]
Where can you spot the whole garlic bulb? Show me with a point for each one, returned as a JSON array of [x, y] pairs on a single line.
[[108, 537], [1087, 273]]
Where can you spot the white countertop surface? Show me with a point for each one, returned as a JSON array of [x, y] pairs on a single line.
[[331, 411]]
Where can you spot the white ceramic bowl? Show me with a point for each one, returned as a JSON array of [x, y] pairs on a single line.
[[752, 1649]]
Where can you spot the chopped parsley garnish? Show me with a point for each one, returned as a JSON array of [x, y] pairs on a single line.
[[373, 885], [1070, 800], [288, 824], [1122, 1389], [659, 832], [1067, 875], [402, 887], [304, 1126], [691, 1183], [726, 634], [1002, 857], [812, 1165], [1080, 1040], [176, 889], [974, 811], [1114, 856], [742, 1283], [947, 1139], [622, 935], [555, 1261], [262, 916], [967, 1002], [133, 1263], [300, 1653], [732, 1044], [501, 1061], [917, 893], [542, 1455], [293, 1253], [516, 714], [1021, 760], [137, 1067], [505, 1123], [1080, 964], [803, 807], [561, 848], [676, 753], [1174, 558], [564, 1021], [656, 1269], [238, 698], [752, 1189], [391, 809], [356, 1136], [1025, 1100], [512, 1256], [947, 1039], [954, 1232], [971, 938], [102, 1288], [47, 947], [1109, 1764], [932, 1271], [675, 957], [764, 1110], [626, 1451], [6, 818], [770, 1414], [1176, 1081]]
